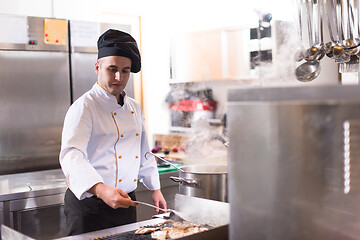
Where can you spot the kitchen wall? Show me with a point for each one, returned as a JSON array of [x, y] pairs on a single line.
[[161, 20]]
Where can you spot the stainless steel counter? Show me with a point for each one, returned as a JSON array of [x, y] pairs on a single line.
[[21, 195], [32, 184]]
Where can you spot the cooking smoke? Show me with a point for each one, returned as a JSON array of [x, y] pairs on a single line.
[[204, 145], [204, 141]]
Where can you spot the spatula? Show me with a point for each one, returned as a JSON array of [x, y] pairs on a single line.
[[174, 215]]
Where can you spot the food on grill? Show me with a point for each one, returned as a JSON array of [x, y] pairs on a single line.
[[171, 229], [145, 230], [160, 235]]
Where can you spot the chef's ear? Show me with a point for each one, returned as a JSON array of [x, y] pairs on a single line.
[[97, 67]]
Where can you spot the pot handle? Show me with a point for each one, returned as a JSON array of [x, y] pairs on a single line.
[[189, 181]]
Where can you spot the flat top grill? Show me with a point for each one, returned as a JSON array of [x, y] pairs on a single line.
[[213, 209], [126, 236]]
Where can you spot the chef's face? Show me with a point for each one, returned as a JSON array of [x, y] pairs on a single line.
[[113, 73]]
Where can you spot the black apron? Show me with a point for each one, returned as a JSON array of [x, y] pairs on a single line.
[[93, 214]]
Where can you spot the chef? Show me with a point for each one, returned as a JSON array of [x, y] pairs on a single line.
[[104, 144]]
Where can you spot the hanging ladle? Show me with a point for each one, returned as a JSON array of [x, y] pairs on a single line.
[[309, 70], [351, 44], [339, 50], [165, 160]]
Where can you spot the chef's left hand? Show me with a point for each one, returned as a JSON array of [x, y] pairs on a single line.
[[159, 200]]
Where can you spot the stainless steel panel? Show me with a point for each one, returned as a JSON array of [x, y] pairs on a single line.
[[84, 49], [36, 32], [29, 203], [42, 183], [35, 97], [203, 211], [286, 163], [82, 73], [10, 234], [43, 223]]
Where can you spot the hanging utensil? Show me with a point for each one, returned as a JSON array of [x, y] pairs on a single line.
[[339, 49], [312, 52], [309, 70], [351, 44], [165, 160], [300, 52], [322, 44], [329, 11]]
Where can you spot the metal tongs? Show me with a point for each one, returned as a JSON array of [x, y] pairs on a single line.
[[153, 206], [174, 215]]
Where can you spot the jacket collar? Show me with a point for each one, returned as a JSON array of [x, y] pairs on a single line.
[[108, 96]]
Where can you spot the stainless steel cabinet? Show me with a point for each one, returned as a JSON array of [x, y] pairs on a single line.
[[294, 162]]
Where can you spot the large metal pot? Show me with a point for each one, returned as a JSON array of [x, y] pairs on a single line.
[[203, 181]]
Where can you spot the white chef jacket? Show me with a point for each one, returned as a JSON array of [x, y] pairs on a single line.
[[103, 141]]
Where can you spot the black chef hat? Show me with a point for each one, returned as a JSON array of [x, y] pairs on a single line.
[[118, 43]]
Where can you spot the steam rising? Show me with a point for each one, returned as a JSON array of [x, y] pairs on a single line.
[[203, 146], [282, 68]]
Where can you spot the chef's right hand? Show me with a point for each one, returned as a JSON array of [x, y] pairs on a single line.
[[114, 197]]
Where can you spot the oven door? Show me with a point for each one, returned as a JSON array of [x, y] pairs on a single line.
[[40, 217]]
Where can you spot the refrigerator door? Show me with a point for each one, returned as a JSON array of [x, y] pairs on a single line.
[[34, 93], [294, 162], [83, 74], [35, 96]]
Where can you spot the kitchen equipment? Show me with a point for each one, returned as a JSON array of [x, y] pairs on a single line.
[[10, 234], [294, 162], [32, 203], [204, 181], [39, 212], [165, 160], [212, 213], [83, 55], [187, 106], [343, 23], [35, 91], [308, 71], [153, 206]]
